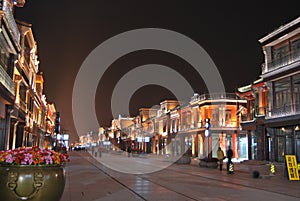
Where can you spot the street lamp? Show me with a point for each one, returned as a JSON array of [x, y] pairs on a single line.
[[207, 134]]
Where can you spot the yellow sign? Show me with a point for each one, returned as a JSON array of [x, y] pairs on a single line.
[[292, 167]]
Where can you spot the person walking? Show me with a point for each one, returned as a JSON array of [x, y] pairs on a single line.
[[129, 150], [229, 155], [220, 155], [100, 151]]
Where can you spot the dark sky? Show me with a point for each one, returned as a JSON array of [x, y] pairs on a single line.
[[67, 31]]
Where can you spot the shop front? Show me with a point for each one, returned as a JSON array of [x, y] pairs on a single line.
[[283, 141], [207, 146]]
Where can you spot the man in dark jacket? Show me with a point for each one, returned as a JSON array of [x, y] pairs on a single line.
[[229, 155]]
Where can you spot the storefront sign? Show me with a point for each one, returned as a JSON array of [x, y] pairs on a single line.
[[292, 167]]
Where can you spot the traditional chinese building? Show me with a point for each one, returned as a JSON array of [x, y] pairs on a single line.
[[274, 101]]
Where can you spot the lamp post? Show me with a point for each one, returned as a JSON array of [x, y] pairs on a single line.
[[207, 134]]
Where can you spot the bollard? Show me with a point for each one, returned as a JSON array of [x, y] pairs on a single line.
[[272, 168], [230, 170], [255, 174]]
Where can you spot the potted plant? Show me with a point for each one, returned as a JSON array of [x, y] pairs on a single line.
[[32, 173]]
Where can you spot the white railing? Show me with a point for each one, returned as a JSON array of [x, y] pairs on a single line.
[[281, 62], [284, 110]]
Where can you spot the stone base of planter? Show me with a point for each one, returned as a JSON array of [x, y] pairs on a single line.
[[135, 155], [184, 160], [208, 164]]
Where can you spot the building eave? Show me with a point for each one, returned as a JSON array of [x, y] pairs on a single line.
[[295, 23]]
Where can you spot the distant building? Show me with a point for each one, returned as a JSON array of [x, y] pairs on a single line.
[[174, 127]]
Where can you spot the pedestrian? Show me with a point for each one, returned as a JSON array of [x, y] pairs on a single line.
[[100, 151], [129, 150], [229, 155], [221, 156]]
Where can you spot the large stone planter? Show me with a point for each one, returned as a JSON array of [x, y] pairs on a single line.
[[135, 154], [211, 163], [185, 159], [33, 183]]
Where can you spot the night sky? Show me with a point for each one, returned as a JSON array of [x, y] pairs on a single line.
[[67, 31]]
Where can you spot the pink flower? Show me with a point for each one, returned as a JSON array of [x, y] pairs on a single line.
[[48, 160], [9, 158], [32, 156]]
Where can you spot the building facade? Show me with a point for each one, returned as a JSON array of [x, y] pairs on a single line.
[[276, 97], [221, 112], [176, 128], [24, 111], [10, 48]]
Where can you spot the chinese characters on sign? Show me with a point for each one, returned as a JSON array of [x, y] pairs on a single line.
[[292, 167]]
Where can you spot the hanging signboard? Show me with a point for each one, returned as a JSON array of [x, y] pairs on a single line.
[[292, 167]]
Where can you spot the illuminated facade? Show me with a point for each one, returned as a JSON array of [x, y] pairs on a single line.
[[276, 98], [222, 112], [24, 111], [9, 49], [30, 87], [175, 128], [50, 135], [253, 117]]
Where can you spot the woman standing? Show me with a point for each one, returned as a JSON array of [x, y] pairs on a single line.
[[220, 155]]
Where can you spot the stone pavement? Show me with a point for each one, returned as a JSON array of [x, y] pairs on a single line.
[[88, 179]]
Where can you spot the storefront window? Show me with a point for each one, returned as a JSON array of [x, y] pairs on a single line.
[[285, 142], [253, 146], [243, 146], [200, 147], [280, 148], [215, 144], [297, 134]]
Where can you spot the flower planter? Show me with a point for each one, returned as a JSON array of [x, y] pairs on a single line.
[[33, 183], [32, 173]]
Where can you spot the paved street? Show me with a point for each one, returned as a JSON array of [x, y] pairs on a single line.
[[88, 179]]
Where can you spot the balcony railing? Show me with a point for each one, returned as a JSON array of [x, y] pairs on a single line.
[[213, 124], [285, 110], [215, 96], [7, 81], [281, 62]]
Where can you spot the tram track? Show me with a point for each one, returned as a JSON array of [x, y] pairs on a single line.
[[137, 176]]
